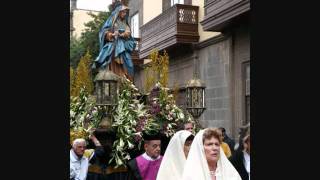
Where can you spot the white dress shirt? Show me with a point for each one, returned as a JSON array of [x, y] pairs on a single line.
[[145, 156], [246, 162], [78, 166]]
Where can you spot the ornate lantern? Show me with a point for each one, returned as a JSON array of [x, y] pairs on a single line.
[[106, 84], [195, 97]]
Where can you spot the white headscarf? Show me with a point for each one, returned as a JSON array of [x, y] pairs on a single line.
[[196, 167], [174, 159]]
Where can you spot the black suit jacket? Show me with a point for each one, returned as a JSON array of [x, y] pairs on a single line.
[[237, 161], [133, 170]]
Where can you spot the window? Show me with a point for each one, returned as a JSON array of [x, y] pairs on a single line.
[[247, 92], [173, 2], [135, 25]]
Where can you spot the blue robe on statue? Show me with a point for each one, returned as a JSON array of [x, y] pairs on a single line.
[[119, 48]]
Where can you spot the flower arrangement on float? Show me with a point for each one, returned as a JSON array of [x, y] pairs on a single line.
[[84, 115], [130, 119]]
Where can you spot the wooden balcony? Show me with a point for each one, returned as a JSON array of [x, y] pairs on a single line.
[[219, 13], [135, 54], [176, 26]]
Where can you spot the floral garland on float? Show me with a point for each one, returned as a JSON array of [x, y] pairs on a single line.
[[84, 115], [163, 109], [130, 118]]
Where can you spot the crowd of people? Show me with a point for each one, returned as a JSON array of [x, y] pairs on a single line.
[[208, 155]]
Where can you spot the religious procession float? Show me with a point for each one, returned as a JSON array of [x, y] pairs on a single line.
[[122, 128], [118, 114]]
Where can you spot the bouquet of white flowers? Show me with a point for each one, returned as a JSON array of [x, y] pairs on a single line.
[[84, 115]]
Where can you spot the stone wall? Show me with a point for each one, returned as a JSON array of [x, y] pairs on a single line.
[[241, 55], [215, 72]]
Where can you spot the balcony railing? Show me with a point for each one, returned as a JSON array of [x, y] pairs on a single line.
[[176, 25], [219, 12]]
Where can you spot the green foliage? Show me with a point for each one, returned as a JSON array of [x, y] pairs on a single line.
[[158, 70], [76, 52], [175, 90], [72, 77], [83, 77]]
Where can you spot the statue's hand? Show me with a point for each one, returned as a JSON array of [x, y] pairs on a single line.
[[109, 36], [115, 34]]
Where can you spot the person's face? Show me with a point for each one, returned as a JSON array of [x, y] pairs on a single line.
[[186, 148], [79, 149], [223, 133], [188, 127], [153, 148], [123, 14], [212, 149]]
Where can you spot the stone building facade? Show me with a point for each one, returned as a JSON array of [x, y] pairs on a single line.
[[218, 47]]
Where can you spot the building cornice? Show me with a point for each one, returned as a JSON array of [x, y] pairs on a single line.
[[211, 41]]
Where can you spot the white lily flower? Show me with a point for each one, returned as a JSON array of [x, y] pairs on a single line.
[[131, 146], [72, 113], [181, 115], [81, 118], [121, 144], [128, 157]]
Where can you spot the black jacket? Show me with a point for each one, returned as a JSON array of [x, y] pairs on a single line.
[[237, 161], [133, 170], [230, 142]]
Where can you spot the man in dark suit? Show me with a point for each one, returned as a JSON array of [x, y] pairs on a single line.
[[241, 158]]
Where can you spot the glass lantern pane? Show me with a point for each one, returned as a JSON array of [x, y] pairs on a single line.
[[192, 97], [113, 92], [187, 97], [116, 92], [195, 100], [106, 89], [102, 92], [203, 95], [200, 97], [98, 92]]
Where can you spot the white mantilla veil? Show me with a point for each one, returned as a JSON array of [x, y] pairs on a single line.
[[196, 167], [173, 161]]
